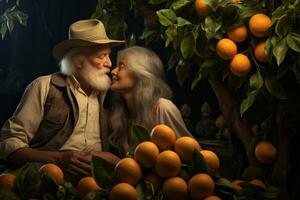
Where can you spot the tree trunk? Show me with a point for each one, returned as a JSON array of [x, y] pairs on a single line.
[[230, 110]]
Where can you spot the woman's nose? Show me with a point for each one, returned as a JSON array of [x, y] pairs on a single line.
[[114, 71]]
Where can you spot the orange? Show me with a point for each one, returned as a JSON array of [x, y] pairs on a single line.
[[259, 24], [212, 198], [220, 121], [258, 182], [240, 65], [163, 136], [168, 164], [212, 160], [86, 185], [238, 34], [259, 52], [236, 184], [7, 181], [175, 188], [128, 170], [123, 191], [155, 180], [185, 147], [53, 171], [202, 8], [226, 48], [235, 1], [265, 152], [146, 154], [201, 185]]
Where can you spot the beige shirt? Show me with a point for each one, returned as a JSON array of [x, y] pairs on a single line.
[[22, 126]]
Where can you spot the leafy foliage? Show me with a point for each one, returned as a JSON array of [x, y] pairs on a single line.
[[194, 39], [11, 16]]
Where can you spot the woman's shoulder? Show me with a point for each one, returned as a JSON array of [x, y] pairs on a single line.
[[165, 104]]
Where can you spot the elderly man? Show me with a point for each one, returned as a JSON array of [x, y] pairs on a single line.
[[60, 118]]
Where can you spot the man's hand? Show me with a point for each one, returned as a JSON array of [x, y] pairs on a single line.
[[75, 162]]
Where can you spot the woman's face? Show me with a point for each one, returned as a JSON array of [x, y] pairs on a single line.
[[123, 80]]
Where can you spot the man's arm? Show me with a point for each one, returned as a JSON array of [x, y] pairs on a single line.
[[22, 126], [27, 154]]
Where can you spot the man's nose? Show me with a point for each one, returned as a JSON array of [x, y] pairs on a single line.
[[107, 62]]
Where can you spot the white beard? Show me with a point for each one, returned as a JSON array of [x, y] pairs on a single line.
[[96, 78]]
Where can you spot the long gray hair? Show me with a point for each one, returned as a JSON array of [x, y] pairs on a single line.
[[150, 86]]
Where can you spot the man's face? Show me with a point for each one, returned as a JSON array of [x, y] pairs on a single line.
[[95, 68]]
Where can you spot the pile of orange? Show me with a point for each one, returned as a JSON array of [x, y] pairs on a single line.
[[159, 162]]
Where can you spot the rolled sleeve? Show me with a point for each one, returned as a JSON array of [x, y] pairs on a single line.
[[18, 130]]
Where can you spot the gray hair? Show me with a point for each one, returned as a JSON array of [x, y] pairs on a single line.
[[150, 86]]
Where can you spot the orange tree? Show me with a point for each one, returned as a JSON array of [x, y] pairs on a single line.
[[254, 72]]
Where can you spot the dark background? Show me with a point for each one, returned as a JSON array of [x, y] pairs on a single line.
[[26, 53]]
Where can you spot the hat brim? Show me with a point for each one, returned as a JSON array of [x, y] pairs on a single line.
[[62, 48]]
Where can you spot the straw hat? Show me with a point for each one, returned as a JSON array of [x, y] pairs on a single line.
[[84, 33]]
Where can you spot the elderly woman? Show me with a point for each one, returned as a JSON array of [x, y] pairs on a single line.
[[144, 97]]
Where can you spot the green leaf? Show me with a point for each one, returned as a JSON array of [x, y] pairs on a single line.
[[293, 41], [166, 17], [67, 192], [119, 26], [252, 172], [180, 4], [149, 36], [197, 78], [283, 69], [131, 40], [3, 30], [171, 33], [103, 172], [140, 133], [296, 69], [280, 11], [182, 72], [247, 12], [156, 1], [279, 51], [196, 31], [224, 182], [145, 190], [283, 26], [182, 22], [248, 102], [204, 69], [187, 45], [24, 177], [198, 164], [21, 17], [268, 49], [212, 3], [8, 195], [274, 87], [10, 24], [256, 81], [211, 26]]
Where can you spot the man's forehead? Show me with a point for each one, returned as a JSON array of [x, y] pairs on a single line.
[[100, 49]]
